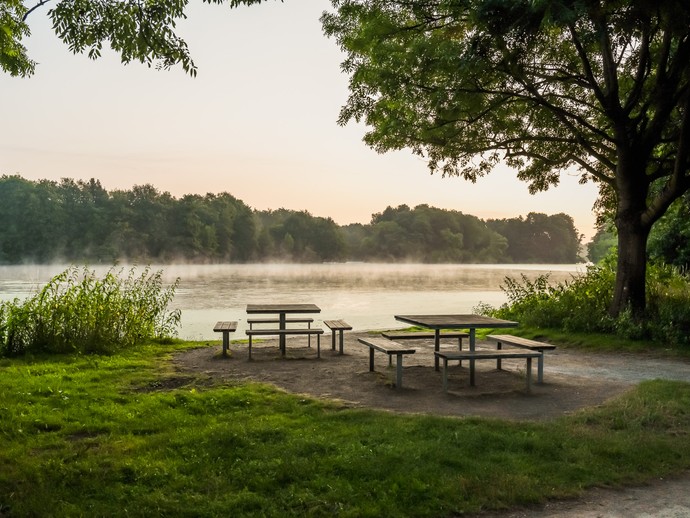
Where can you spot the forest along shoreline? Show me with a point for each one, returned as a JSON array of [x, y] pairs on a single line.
[[80, 221]]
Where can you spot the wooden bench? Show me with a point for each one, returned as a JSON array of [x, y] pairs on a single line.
[[425, 335], [252, 321], [300, 320], [523, 343], [390, 348], [340, 326], [286, 332], [226, 327], [472, 356]]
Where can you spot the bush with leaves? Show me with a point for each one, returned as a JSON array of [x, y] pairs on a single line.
[[580, 304], [77, 311]]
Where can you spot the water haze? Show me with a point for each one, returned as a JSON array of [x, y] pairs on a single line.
[[365, 295]]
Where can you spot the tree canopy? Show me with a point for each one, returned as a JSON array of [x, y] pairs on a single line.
[[138, 31], [544, 86]]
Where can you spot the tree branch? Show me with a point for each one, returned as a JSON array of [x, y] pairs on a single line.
[[39, 4]]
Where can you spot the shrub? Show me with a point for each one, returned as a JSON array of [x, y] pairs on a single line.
[[76, 311], [581, 304]]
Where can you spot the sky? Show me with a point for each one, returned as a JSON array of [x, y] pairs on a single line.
[[258, 122]]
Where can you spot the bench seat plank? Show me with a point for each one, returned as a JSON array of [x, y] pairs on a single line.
[[518, 341], [251, 321], [226, 327], [390, 348], [523, 343], [425, 335], [306, 331], [337, 326], [484, 354]]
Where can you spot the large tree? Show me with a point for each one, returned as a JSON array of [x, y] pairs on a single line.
[[544, 86], [139, 30]]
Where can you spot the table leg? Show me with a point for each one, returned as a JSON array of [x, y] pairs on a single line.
[[473, 342], [282, 325], [398, 370], [437, 346]]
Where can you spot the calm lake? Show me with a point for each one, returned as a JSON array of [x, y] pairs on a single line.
[[365, 295]]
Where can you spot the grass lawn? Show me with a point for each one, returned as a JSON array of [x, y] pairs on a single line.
[[124, 434]]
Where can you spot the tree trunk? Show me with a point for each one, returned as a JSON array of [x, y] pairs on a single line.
[[631, 270], [632, 189]]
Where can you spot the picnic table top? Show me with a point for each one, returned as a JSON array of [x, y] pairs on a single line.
[[455, 321], [283, 308]]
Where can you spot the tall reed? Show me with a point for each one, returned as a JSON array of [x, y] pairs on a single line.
[[77, 311]]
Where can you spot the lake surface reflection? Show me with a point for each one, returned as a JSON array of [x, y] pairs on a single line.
[[365, 295]]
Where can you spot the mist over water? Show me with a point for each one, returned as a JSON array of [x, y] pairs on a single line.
[[366, 295]]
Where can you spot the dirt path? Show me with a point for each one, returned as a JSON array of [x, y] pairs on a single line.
[[573, 380]]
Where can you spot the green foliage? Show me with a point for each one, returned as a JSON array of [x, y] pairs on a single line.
[[123, 433], [13, 57], [79, 221], [76, 311], [602, 245], [669, 241], [539, 238], [138, 31], [580, 305]]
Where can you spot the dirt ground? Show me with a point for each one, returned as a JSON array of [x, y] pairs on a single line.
[[573, 380]]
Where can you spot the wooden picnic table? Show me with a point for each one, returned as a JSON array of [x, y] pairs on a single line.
[[282, 310], [463, 321]]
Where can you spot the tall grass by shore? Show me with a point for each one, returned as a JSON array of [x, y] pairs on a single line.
[[77, 311]]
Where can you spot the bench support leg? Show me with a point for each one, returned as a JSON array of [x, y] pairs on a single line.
[[318, 345], [499, 346], [342, 339], [250, 347], [445, 375], [540, 368], [398, 369], [529, 374], [226, 342], [371, 359], [333, 340], [309, 336]]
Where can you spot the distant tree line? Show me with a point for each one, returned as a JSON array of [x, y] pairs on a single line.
[[78, 221]]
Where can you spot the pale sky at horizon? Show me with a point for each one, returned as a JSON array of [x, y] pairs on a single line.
[[259, 122]]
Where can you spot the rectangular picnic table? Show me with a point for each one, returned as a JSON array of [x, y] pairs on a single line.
[[282, 310], [469, 322]]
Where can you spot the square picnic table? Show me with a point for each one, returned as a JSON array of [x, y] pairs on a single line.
[[469, 322], [282, 310]]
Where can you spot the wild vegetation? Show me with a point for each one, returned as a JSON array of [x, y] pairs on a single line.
[[579, 305], [78, 312], [77, 221]]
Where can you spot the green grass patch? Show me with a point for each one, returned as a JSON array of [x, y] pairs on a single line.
[[126, 434]]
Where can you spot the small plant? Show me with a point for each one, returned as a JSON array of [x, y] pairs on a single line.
[[76, 311]]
